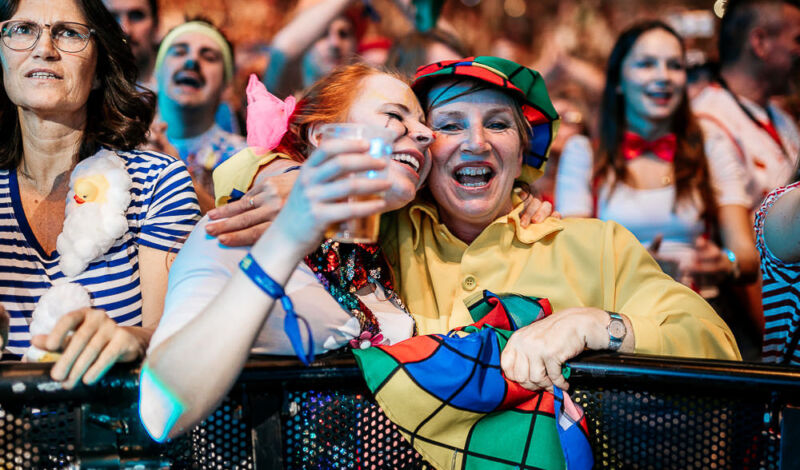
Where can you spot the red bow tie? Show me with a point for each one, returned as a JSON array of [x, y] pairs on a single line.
[[633, 145]]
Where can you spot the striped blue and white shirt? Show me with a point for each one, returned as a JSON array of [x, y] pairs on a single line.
[[780, 293], [162, 212]]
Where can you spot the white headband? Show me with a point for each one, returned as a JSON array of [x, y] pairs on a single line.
[[203, 28]]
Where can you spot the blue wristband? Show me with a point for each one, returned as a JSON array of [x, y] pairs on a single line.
[[291, 324]]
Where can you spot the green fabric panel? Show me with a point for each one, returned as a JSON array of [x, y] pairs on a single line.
[[546, 438], [487, 438], [375, 364]]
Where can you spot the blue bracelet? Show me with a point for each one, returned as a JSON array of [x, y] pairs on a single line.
[[291, 324]]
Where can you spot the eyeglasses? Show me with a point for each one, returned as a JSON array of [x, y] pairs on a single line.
[[66, 36]]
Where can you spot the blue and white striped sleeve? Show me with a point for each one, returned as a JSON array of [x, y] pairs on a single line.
[[172, 211]]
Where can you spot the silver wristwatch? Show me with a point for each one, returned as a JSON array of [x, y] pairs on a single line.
[[616, 331]]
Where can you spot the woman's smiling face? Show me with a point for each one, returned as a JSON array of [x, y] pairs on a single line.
[[653, 78], [387, 101], [476, 156]]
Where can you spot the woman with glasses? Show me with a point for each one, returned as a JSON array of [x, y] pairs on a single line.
[[69, 93]]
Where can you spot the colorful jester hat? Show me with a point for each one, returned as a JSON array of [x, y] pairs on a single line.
[[522, 81]]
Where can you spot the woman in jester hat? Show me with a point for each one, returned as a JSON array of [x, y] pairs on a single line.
[[461, 235], [493, 124], [489, 115], [344, 292]]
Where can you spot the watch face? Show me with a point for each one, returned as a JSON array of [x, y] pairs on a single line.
[[617, 328]]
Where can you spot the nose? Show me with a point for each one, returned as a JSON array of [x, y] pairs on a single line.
[[662, 71], [45, 48], [421, 134], [191, 63], [476, 140]]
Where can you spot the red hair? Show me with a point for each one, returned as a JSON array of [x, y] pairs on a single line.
[[327, 101]]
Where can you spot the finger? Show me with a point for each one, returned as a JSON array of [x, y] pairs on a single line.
[[336, 212], [65, 325], [89, 354], [556, 215], [244, 220], [40, 341], [230, 209], [331, 147], [246, 237], [122, 348], [554, 374], [79, 341], [543, 212], [655, 245], [340, 189], [344, 164], [538, 376], [530, 211], [508, 359]]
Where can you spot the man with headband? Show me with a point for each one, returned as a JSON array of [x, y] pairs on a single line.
[[193, 66]]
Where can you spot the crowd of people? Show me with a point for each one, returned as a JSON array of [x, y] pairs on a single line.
[[676, 228]]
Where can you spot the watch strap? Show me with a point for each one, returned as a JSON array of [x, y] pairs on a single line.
[[615, 342]]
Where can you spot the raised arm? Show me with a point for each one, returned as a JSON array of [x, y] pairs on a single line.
[[187, 375], [291, 43]]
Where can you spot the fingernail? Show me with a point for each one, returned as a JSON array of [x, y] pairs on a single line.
[[211, 229], [224, 239]]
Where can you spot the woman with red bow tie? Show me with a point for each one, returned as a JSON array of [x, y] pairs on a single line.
[[650, 173]]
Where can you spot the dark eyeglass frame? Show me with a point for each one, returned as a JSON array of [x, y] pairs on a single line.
[[42, 27]]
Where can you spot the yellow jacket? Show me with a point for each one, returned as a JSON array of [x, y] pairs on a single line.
[[572, 263]]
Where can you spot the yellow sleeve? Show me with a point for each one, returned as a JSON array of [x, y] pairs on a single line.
[[234, 176], [668, 318]]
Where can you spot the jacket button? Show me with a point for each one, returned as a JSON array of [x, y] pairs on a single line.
[[469, 283]]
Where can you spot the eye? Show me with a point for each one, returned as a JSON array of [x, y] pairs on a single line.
[[448, 127], [498, 125], [645, 63], [20, 29], [394, 115], [211, 56], [177, 51], [135, 16], [675, 65]]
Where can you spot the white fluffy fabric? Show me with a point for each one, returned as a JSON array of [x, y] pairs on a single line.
[[91, 228], [58, 301]]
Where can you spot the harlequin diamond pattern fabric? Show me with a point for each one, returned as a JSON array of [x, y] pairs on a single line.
[[449, 398]]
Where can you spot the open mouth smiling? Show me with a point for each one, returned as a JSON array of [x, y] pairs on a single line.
[[189, 78], [409, 158], [473, 176], [660, 97]]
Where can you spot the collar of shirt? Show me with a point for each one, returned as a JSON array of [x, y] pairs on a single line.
[[421, 208]]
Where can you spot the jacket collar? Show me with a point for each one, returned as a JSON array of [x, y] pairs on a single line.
[[421, 209]]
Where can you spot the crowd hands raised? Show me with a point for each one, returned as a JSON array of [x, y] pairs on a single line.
[[459, 201]]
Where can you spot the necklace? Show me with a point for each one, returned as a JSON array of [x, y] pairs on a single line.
[[344, 268]]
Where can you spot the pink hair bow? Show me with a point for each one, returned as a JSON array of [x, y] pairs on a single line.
[[267, 116]]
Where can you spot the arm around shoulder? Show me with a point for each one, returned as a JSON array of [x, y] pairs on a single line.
[[574, 178]]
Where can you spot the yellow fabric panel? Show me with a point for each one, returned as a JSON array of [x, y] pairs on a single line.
[[571, 262], [238, 172]]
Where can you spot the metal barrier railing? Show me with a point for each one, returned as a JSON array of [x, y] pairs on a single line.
[[643, 412]]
